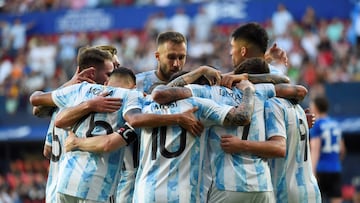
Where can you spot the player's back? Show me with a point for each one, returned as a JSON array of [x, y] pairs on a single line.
[[93, 175], [330, 133], [292, 175], [171, 158], [55, 139]]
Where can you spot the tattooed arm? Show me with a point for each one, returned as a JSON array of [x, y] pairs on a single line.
[[292, 92], [211, 74], [241, 114], [229, 80], [165, 94], [268, 78]]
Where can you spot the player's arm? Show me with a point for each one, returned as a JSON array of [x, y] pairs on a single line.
[[164, 94], [97, 144], [342, 149], [115, 140], [101, 104], [229, 80], [39, 98], [268, 78], [211, 74], [315, 147], [273, 147], [187, 120], [276, 55], [292, 92], [87, 74], [241, 114]]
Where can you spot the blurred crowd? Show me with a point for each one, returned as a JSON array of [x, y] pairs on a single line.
[[319, 50], [26, 6], [24, 182]]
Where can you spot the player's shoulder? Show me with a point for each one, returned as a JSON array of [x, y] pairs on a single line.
[[146, 73]]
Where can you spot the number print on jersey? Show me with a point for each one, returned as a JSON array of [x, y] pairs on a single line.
[[331, 139], [55, 147], [163, 150], [106, 126], [303, 137]]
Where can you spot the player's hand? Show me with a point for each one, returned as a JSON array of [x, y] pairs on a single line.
[[43, 111], [71, 142], [47, 151], [276, 54], [310, 118], [229, 80], [189, 122], [244, 84], [87, 75], [103, 104], [230, 144], [212, 75]]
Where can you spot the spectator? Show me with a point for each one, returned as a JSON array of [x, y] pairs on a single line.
[[308, 20], [67, 52], [202, 24], [18, 35], [281, 20], [180, 22]]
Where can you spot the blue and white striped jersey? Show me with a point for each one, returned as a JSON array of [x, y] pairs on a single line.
[[241, 172], [292, 176], [126, 185], [330, 133], [55, 139], [146, 80], [93, 176], [170, 158]]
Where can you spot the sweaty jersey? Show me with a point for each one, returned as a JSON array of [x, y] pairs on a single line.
[[292, 175], [90, 175], [171, 158], [240, 172], [330, 133], [146, 81], [54, 138]]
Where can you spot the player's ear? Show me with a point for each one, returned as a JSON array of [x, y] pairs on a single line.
[[243, 51], [91, 73], [157, 55]]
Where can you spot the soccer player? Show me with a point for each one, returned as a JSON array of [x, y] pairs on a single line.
[[171, 57], [171, 159], [99, 60], [292, 175], [120, 77], [54, 138], [327, 149]]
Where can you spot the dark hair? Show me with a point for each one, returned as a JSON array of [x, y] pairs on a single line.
[[254, 34], [255, 65], [123, 71], [321, 103], [89, 56], [175, 37]]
